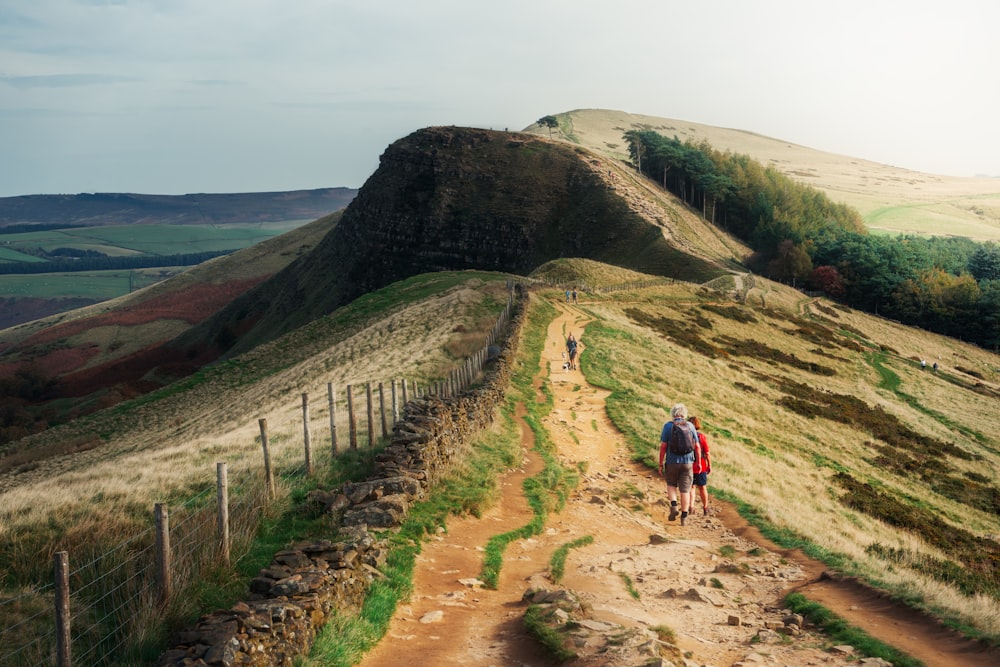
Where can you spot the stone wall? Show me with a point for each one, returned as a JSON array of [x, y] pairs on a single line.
[[290, 601]]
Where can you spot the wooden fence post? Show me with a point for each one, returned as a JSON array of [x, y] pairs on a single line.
[[222, 499], [371, 415], [268, 474], [405, 399], [163, 551], [395, 404], [64, 646], [330, 398], [381, 409], [351, 422], [305, 434]]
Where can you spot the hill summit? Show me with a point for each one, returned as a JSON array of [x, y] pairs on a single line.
[[447, 198]]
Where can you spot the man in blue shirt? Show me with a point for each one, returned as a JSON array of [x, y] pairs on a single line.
[[676, 467]]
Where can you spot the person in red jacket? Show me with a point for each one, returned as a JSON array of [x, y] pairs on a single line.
[[702, 466]]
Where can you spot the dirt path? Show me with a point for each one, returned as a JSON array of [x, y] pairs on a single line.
[[706, 580]]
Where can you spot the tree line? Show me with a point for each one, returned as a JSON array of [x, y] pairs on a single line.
[[800, 237]]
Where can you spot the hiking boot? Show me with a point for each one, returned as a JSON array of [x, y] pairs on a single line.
[[705, 509], [684, 516], [673, 513]]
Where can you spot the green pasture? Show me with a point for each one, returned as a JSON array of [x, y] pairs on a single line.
[[144, 239], [8, 254], [969, 217], [99, 285]]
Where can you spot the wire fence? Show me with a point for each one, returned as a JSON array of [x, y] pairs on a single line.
[[116, 606]]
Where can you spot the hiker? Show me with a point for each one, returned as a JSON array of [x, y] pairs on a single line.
[[567, 296], [678, 454], [935, 367], [571, 349], [923, 364], [700, 468], [574, 296]]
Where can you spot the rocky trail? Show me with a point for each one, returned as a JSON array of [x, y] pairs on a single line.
[[716, 582]]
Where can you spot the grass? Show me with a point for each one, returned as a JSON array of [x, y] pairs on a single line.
[[629, 586], [840, 632], [535, 620], [557, 564]]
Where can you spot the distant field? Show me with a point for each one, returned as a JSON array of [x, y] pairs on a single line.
[[100, 285], [11, 255], [144, 239]]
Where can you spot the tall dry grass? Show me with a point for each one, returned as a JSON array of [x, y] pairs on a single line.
[[164, 448], [783, 463]]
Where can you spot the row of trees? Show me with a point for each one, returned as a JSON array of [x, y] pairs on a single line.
[[799, 236]]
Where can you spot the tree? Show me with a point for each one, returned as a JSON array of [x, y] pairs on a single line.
[[549, 122], [828, 280], [985, 262]]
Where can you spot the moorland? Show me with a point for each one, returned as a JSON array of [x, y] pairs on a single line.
[[830, 434]]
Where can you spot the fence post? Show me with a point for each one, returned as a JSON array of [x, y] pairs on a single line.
[[305, 434], [163, 551], [395, 404], [351, 422], [222, 497], [381, 409], [268, 475], [64, 652], [405, 399], [330, 398], [371, 415]]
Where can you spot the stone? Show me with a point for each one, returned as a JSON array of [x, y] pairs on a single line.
[[432, 617]]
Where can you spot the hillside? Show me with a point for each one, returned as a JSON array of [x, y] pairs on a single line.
[[891, 199], [799, 457], [456, 198], [826, 429], [114, 208], [95, 356]]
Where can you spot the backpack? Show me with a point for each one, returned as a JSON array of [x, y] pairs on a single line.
[[683, 438]]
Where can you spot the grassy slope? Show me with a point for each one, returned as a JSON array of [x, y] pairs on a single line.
[[786, 464], [890, 199]]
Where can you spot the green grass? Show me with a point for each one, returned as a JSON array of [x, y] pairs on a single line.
[[557, 564], [98, 285], [840, 632], [535, 621], [629, 586]]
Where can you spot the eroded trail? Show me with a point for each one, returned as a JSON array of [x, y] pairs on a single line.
[[705, 580]]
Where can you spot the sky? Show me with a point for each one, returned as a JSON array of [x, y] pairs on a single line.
[[192, 96]]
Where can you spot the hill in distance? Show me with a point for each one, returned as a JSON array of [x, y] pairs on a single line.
[[891, 199], [103, 209]]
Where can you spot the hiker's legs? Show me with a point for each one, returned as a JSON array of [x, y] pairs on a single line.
[[684, 486]]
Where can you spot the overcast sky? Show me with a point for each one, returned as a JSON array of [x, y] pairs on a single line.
[[181, 96]]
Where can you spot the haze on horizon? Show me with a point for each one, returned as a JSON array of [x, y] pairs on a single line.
[[184, 96]]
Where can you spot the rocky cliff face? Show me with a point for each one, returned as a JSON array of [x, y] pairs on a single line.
[[447, 198]]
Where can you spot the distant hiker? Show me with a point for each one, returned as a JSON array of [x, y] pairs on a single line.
[[678, 454], [923, 364], [574, 296], [701, 467], [935, 367], [571, 350], [567, 296]]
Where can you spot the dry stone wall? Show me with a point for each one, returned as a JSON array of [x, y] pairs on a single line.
[[290, 601]]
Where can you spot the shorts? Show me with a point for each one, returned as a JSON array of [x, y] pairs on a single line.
[[700, 479], [679, 475]]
